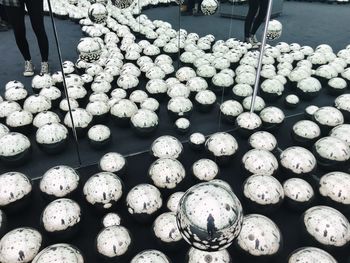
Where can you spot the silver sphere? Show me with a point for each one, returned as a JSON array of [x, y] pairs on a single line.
[[336, 186], [59, 253], [165, 228], [222, 146], [174, 201], [260, 162], [327, 226], [259, 236], [113, 162], [150, 256], [311, 255], [209, 216], [111, 219], [166, 147], [263, 140], [205, 169], [298, 191], [98, 13], [199, 256]]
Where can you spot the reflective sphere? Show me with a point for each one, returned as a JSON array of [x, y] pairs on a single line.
[[305, 132], [166, 147], [150, 256], [248, 123], [260, 236], [209, 7], [222, 146], [59, 253], [298, 192], [263, 140], [174, 201], [272, 117], [327, 118], [209, 216], [274, 30], [205, 169], [260, 162], [199, 256], [327, 226], [231, 109], [165, 228], [45, 117], [197, 140], [113, 162], [336, 187], [98, 13], [311, 255], [89, 49], [111, 219], [20, 245], [341, 132]]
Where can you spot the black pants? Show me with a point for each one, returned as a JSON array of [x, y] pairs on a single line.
[[3, 14], [16, 17], [256, 15]]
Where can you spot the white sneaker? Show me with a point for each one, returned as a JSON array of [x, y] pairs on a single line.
[[28, 69], [44, 68], [255, 40]]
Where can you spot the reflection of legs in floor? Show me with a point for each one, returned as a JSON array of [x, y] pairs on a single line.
[[4, 25], [252, 12], [261, 15]]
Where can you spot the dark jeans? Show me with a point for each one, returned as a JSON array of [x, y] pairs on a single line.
[[256, 15], [16, 17], [3, 16]]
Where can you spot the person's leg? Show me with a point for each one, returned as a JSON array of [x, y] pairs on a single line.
[[36, 15], [261, 15], [252, 12]]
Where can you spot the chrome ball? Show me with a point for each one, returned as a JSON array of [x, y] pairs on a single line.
[[248, 123], [174, 201], [166, 147], [222, 145], [263, 140], [98, 13], [59, 253], [197, 140], [209, 216], [327, 118], [341, 132], [310, 255], [113, 162], [305, 132], [298, 193], [165, 228], [111, 219], [205, 169], [150, 256], [260, 162], [199, 256]]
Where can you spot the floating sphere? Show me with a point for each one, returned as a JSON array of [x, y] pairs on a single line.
[[166, 230], [230, 109], [166, 147], [209, 216], [20, 121], [292, 101], [331, 152], [205, 100], [260, 162], [52, 138], [15, 190], [4, 130], [122, 111], [36, 103], [103, 190], [310, 255], [143, 201], [99, 136], [335, 188], [222, 146], [263, 140], [113, 162], [205, 170], [274, 30], [113, 242], [272, 117], [98, 13], [298, 162], [144, 122], [199, 256], [327, 118], [327, 226], [209, 7], [150, 256], [7, 107], [263, 193], [305, 132], [20, 245], [299, 194], [174, 201], [259, 236], [59, 253], [248, 123], [310, 111], [61, 218], [182, 125], [111, 219], [179, 107], [197, 141], [59, 181]]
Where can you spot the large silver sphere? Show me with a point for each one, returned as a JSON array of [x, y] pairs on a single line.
[[165, 228], [209, 216], [59, 253], [167, 173], [150, 256], [310, 255], [327, 226], [144, 199], [336, 186], [113, 242], [103, 190], [20, 245], [199, 256], [298, 160], [259, 236], [263, 140], [166, 147], [260, 162], [59, 181]]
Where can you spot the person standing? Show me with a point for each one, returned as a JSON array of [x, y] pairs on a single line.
[[256, 14], [15, 11]]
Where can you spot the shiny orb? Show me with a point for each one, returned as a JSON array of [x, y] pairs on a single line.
[[327, 118], [292, 101], [263, 193], [342, 103], [198, 256], [209, 7], [272, 117], [99, 136], [89, 49], [98, 13], [82, 120], [166, 147], [271, 89], [174, 201], [310, 111], [36, 103], [331, 152], [259, 237], [143, 201], [166, 173], [205, 170], [209, 216], [166, 230], [103, 190], [182, 125], [59, 181], [20, 121], [230, 109], [179, 107], [14, 148], [111, 219], [260, 162], [4, 130], [310, 255], [144, 122], [263, 140], [150, 256], [61, 218], [122, 111], [113, 162], [59, 253], [113, 242], [258, 106], [45, 117], [299, 194], [99, 111], [41, 81], [308, 88], [297, 162], [52, 138], [248, 123], [341, 132], [274, 30], [20, 245], [305, 132], [327, 226], [222, 146], [7, 107], [197, 141]]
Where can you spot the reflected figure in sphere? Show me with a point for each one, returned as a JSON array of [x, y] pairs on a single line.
[[15, 11], [255, 17], [211, 225]]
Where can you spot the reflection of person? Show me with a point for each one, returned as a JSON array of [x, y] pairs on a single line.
[[193, 8], [211, 225], [16, 13], [4, 26], [256, 15]]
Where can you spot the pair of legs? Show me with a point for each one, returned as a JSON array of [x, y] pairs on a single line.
[[16, 17], [255, 17]]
